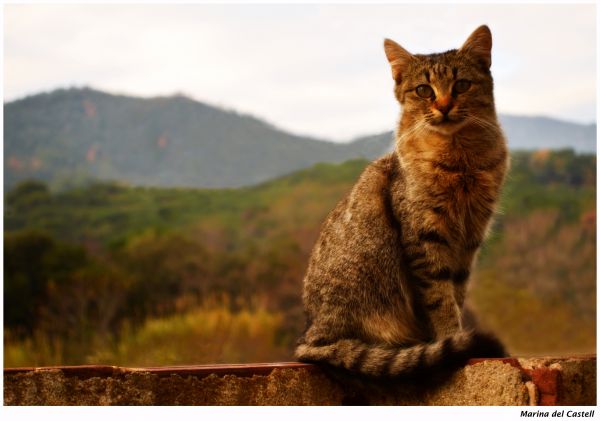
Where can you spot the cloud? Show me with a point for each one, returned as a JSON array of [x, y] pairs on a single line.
[[311, 69]]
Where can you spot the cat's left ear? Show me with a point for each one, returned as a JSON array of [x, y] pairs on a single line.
[[479, 45]]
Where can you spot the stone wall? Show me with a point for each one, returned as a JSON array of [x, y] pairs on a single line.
[[511, 381]]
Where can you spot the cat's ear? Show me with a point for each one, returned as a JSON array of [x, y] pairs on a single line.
[[479, 45], [398, 58]]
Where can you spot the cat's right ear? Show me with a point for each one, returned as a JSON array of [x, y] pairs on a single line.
[[398, 57]]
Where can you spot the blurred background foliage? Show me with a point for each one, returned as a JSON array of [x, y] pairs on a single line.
[[136, 276]]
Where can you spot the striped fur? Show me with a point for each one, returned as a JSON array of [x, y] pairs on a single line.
[[377, 360], [385, 285]]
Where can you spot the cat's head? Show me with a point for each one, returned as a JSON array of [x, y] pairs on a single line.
[[445, 91]]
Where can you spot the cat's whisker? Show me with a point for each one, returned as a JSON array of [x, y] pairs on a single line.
[[416, 129], [484, 124]]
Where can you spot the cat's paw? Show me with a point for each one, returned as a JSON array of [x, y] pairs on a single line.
[[486, 345]]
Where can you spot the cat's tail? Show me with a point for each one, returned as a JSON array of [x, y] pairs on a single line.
[[387, 361]]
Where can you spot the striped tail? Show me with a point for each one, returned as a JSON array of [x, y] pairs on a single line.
[[387, 361]]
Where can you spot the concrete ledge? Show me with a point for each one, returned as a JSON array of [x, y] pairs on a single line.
[[509, 381]]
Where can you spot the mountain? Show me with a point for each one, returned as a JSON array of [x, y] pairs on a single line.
[[69, 136], [171, 141], [530, 133], [372, 146]]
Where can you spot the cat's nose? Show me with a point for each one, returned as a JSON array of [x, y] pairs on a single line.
[[443, 104]]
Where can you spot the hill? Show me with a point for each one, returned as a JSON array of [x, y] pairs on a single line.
[[530, 133], [70, 136], [171, 141]]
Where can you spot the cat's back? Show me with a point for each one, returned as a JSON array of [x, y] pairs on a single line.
[[367, 209], [357, 232], [356, 263]]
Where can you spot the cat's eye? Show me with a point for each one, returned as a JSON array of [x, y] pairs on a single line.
[[424, 91], [462, 86]]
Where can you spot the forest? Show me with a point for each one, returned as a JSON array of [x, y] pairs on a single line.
[[109, 273]]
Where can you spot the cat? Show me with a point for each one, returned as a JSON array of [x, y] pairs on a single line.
[[385, 286]]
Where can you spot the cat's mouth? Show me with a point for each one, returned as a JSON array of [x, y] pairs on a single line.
[[447, 123], [446, 119]]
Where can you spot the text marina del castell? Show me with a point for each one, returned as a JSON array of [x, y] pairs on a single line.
[[558, 414]]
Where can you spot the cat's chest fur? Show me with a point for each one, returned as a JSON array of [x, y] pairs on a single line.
[[453, 186]]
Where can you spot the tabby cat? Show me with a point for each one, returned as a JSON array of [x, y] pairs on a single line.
[[385, 285]]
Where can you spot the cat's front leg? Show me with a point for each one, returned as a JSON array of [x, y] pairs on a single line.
[[441, 289], [441, 306], [430, 249]]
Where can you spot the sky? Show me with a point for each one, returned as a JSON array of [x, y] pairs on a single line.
[[310, 69]]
